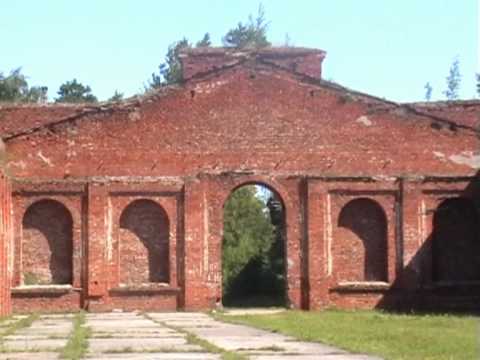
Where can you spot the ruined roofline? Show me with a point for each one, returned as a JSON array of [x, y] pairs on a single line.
[[247, 58], [276, 50], [444, 104], [199, 61]]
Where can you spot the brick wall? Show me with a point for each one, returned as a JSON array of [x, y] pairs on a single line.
[[145, 182], [5, 246]]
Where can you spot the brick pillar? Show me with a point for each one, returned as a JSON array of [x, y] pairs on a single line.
[[198, 294], [319, 218], [97, 240], [415, 243], [295, 242], [5, 246]]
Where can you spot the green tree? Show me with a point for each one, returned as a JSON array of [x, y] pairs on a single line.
[[453, 81], [205, 42], [248, 233], [252, 34], [170, 71], [75, 92], [117, 96], [428, 91], [14, 88], [478, 83]]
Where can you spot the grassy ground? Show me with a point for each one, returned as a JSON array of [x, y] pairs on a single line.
[[17, 325], [78, 341], [391, 336]]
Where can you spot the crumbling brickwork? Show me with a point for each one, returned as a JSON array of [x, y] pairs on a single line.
[[131, 194]]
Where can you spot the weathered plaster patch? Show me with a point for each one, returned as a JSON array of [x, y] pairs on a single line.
[[364, 120], [108, 221], [134, 116], [45, 159], [207, 88], [2, 146], [19, 164], [466, 158]]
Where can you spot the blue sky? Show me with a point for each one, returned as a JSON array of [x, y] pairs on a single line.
[[386, 48]]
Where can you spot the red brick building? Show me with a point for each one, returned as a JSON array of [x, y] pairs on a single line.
[[120, 205]]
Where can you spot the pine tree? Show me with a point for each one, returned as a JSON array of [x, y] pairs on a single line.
[[170, 71], [117, 96], [453, 81], [253, 34], [428, 91], [75, 92], [478, 83], [205, 42]]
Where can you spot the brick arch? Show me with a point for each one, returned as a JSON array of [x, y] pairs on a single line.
[[144, 243], [47, 243], [265, 184], [456, 242], [365, 239], [233, 183]]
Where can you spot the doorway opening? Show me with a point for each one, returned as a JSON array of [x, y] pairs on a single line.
[[254, 248]]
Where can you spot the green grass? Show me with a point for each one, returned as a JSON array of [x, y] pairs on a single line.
[[392, 336], [77, 344], [17, 325]]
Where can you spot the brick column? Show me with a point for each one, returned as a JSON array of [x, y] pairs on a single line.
[[97, 282], [5, 246], [198, 294], [296, 241], [415, 243]]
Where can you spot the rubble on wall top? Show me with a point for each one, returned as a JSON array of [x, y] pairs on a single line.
[[287, 50]]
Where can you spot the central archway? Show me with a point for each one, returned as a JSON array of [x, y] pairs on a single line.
[[254, 247]]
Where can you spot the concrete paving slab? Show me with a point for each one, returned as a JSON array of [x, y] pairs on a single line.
[[121, 324], [20, 337], [47, 332], [28, 344], [156, 356], [255, 342], [136, 335], [29, 356], [97, 345]]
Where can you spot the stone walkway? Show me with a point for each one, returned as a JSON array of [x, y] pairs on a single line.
[[172, 336]]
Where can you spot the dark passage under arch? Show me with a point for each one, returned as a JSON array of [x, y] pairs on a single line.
[[253, 248], [456, 245]]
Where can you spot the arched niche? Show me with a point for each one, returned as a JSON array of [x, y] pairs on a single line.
[[47, 244], [365, 239], [144, 243]]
